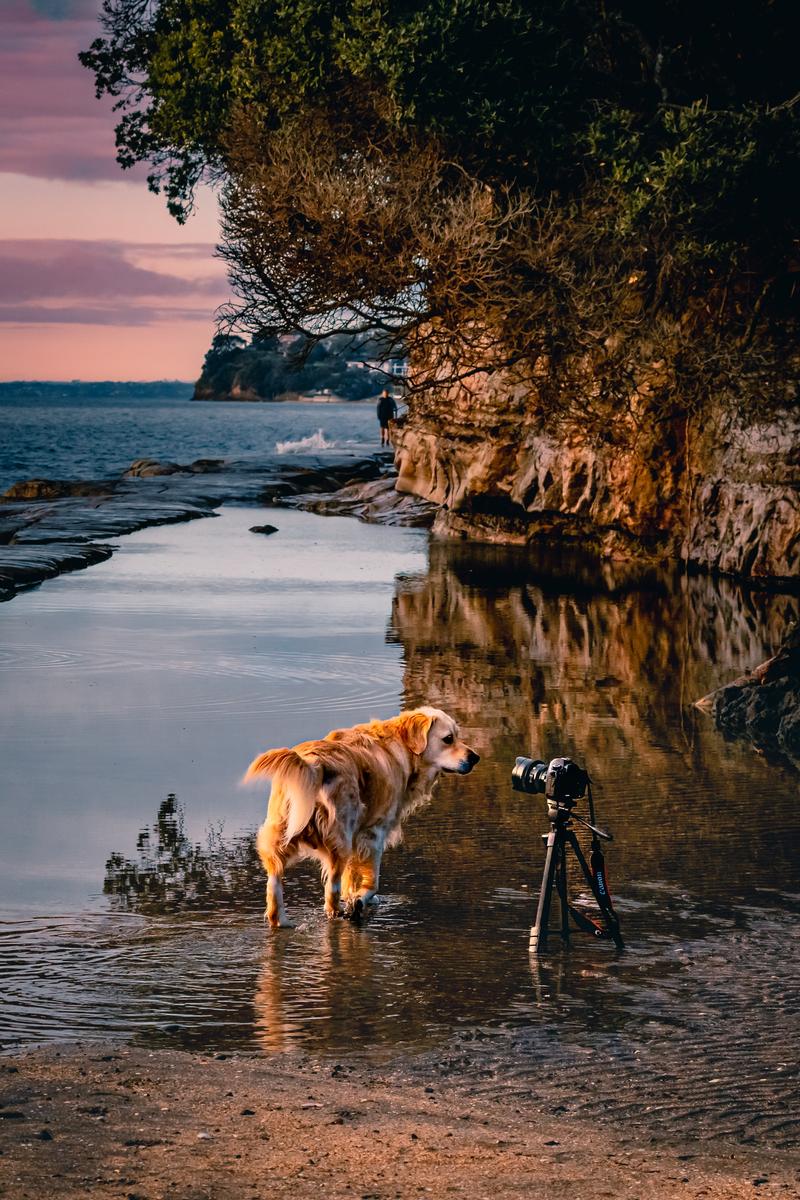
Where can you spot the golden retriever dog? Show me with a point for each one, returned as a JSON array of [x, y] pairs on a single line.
[[343, 799]]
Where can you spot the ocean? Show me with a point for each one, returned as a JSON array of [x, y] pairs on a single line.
[[70, 436]]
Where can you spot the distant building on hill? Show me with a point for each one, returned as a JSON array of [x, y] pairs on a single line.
[[396, 367]]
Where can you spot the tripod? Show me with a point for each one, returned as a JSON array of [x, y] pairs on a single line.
[[561, 836]]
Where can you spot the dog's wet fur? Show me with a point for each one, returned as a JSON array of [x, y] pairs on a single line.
[[343, 799]]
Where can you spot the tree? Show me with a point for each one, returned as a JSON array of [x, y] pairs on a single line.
[[569, 189], [271, 367]]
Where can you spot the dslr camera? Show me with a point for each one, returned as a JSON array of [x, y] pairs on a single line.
[[561, 781]]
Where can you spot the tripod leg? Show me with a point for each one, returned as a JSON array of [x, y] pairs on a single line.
[[609, 916], [561, 888], [538, 941]]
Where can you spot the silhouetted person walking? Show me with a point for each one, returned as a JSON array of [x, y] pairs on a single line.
[[387, 411]]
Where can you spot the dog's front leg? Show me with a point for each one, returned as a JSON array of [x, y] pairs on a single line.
[[350, 881], [371, 877], [333, 888], [367, 870], [276, 910]]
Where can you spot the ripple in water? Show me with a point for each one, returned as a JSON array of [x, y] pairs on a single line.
[[300, 683]]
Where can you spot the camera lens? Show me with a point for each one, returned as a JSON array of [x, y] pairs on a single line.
[[528, 775]]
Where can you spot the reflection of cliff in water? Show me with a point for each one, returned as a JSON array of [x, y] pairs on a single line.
[[545, 659]]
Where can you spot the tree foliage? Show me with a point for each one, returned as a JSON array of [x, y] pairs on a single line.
[[565, 188], [271, 367]]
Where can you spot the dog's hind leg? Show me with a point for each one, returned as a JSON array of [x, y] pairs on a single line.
[[274, 862], [276, 911]]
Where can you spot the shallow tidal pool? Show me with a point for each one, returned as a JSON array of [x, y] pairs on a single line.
[[162, 672]]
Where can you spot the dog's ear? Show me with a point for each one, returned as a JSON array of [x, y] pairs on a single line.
[[414, 730]]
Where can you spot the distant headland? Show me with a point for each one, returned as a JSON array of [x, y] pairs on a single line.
[[101, 389], [289, 367]]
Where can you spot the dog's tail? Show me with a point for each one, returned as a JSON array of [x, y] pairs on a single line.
[[301, 781]]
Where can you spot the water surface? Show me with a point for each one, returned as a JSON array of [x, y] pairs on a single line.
[[166, 669], [88, 437]]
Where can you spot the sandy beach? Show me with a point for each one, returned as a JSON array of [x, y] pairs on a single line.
[[117, 1122]]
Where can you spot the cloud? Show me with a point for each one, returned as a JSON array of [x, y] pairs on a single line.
[[51, 124], [13, 314], [66, 148], [122, 316], [60, 10], [80, 282], [46, 269]]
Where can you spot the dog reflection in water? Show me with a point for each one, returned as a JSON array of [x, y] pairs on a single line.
[[343, 799], [304, 994]]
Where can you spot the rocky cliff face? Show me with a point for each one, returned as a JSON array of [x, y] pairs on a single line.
[[721, 496]]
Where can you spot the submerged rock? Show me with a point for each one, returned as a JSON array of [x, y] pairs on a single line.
[[763, 705], [267, 529]]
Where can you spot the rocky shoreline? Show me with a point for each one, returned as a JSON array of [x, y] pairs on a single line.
[[717, 496], [49, 527]]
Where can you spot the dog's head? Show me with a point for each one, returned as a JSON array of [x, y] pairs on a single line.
[[433, 736]]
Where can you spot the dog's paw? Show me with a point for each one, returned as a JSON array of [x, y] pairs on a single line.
[[278, 921], [354, 909]]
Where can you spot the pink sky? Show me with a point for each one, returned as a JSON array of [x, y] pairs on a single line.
[[97, 281]]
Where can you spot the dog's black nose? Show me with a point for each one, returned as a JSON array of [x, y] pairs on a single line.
[[473, 758]]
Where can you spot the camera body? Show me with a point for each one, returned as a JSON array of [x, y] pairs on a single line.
[[561, 781]]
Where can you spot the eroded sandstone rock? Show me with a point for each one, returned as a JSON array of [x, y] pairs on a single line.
[[717, 495]]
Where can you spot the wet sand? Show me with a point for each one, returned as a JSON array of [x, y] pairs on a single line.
[[121, 1122]]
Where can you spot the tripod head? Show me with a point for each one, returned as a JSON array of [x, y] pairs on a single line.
[[560, 814]]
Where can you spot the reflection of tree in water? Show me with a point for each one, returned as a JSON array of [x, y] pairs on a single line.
[[171, 872]]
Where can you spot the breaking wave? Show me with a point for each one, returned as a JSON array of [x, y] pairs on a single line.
[[314, 441]]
